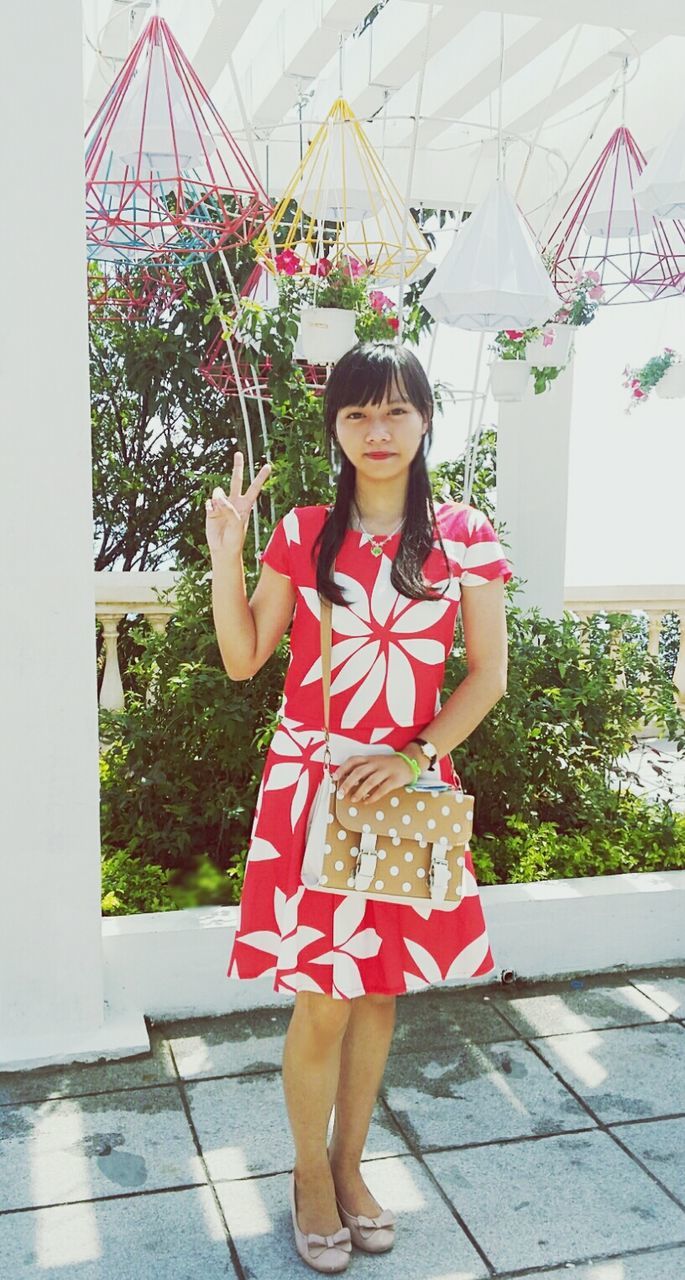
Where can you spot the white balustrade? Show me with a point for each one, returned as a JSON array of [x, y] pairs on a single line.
[[120, 593]]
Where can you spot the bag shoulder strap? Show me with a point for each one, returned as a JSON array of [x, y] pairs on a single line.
[[326, 627]]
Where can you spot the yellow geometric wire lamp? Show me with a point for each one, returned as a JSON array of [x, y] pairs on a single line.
[[342, 205]]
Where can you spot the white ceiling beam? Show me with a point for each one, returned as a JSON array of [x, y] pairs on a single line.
[[296, 48], [457, 99], [663, 17], [599, 72]]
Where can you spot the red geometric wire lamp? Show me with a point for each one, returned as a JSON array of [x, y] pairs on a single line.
[[638, 256], [164, 177]]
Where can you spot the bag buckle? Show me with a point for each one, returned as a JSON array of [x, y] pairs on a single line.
[[439, 874], [365, 868]]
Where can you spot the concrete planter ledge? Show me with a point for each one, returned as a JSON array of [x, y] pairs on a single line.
[[173, 964]]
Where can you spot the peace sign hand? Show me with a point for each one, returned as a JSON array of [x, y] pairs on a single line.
[[228, 518]]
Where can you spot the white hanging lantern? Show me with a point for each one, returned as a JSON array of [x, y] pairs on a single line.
[[661, 186], [155, 122], [493, 276], [342, 184]]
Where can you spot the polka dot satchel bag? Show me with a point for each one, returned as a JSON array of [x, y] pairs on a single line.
[[406, 847]]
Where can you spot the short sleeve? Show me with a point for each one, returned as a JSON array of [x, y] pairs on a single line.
[[483, 557], [278, 550]]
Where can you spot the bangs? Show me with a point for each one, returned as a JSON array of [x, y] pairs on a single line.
[[371, 382], [370, 372]]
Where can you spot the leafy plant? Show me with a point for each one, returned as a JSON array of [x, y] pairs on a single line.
[[642, 381]]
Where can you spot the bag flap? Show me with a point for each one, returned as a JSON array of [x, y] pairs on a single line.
[[435, 815]]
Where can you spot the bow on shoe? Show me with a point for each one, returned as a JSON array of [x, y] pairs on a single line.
[[367, 1225], [341, 1238]]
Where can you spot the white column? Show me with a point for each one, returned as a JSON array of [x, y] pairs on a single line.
[[53, 1002], [532, 489]]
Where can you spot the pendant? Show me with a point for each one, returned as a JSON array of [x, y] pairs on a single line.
[[376, 551]]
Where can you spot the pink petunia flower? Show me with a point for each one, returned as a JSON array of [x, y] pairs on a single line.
[[514, 334], [638, 394], [323, 267], [288, 262], [596, 292], [353, 268], [380, 301], [594, 276]]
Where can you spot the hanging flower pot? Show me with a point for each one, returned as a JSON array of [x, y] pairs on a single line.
[[326, 333], [672, 385], [554, 354], [509, 379]]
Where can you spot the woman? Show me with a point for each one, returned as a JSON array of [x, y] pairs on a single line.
[[404, 564]]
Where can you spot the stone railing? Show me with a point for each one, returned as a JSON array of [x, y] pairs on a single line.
[[655, 602], [118, 594]]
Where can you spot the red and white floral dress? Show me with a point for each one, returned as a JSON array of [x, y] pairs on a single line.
[[387, 667]]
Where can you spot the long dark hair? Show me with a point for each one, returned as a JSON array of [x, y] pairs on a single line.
[[366, 374]]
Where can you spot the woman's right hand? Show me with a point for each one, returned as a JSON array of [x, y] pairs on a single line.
[[228, 517]]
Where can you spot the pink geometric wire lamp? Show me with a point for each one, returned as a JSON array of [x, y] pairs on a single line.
[[164, 178], [637, 255]]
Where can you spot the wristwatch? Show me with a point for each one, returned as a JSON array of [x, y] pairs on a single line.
[[429, 751]]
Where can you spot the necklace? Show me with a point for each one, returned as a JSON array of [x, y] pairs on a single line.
[[377, 547]]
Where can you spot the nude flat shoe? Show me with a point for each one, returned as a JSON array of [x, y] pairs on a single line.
[[323, 1253], [373, 1235]]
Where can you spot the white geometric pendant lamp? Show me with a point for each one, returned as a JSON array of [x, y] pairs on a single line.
[[661, 185], [493, 276]]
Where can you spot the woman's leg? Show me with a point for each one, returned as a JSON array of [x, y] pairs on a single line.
[[364, 1054], [311, 1066]]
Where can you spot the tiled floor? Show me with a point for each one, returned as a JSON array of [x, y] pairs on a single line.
[[528, 1130]]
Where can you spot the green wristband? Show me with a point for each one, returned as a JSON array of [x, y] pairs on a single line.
[[416, 767]]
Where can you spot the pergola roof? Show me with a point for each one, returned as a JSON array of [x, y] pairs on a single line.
[[562, 74]]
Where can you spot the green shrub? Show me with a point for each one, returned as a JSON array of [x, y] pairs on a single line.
[[180, 773], [551, 750], [130, 886]]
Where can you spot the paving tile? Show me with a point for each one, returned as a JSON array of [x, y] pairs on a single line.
[[430, 1243], [436, 1019], [170, 1235], [551, 1201], [579, 1009], [477, 1093], [248, 1041], [661, 1145], [623, 1073], [155, 1067], [84, 1147], [243, 1128], [669, 993], [662, 1264]]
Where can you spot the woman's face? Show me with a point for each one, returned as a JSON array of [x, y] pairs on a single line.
[[394, 427]]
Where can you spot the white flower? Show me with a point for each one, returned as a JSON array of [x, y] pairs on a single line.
[[298, 745], [286, 944], [465, 963], [349, 942], [383, 629]]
